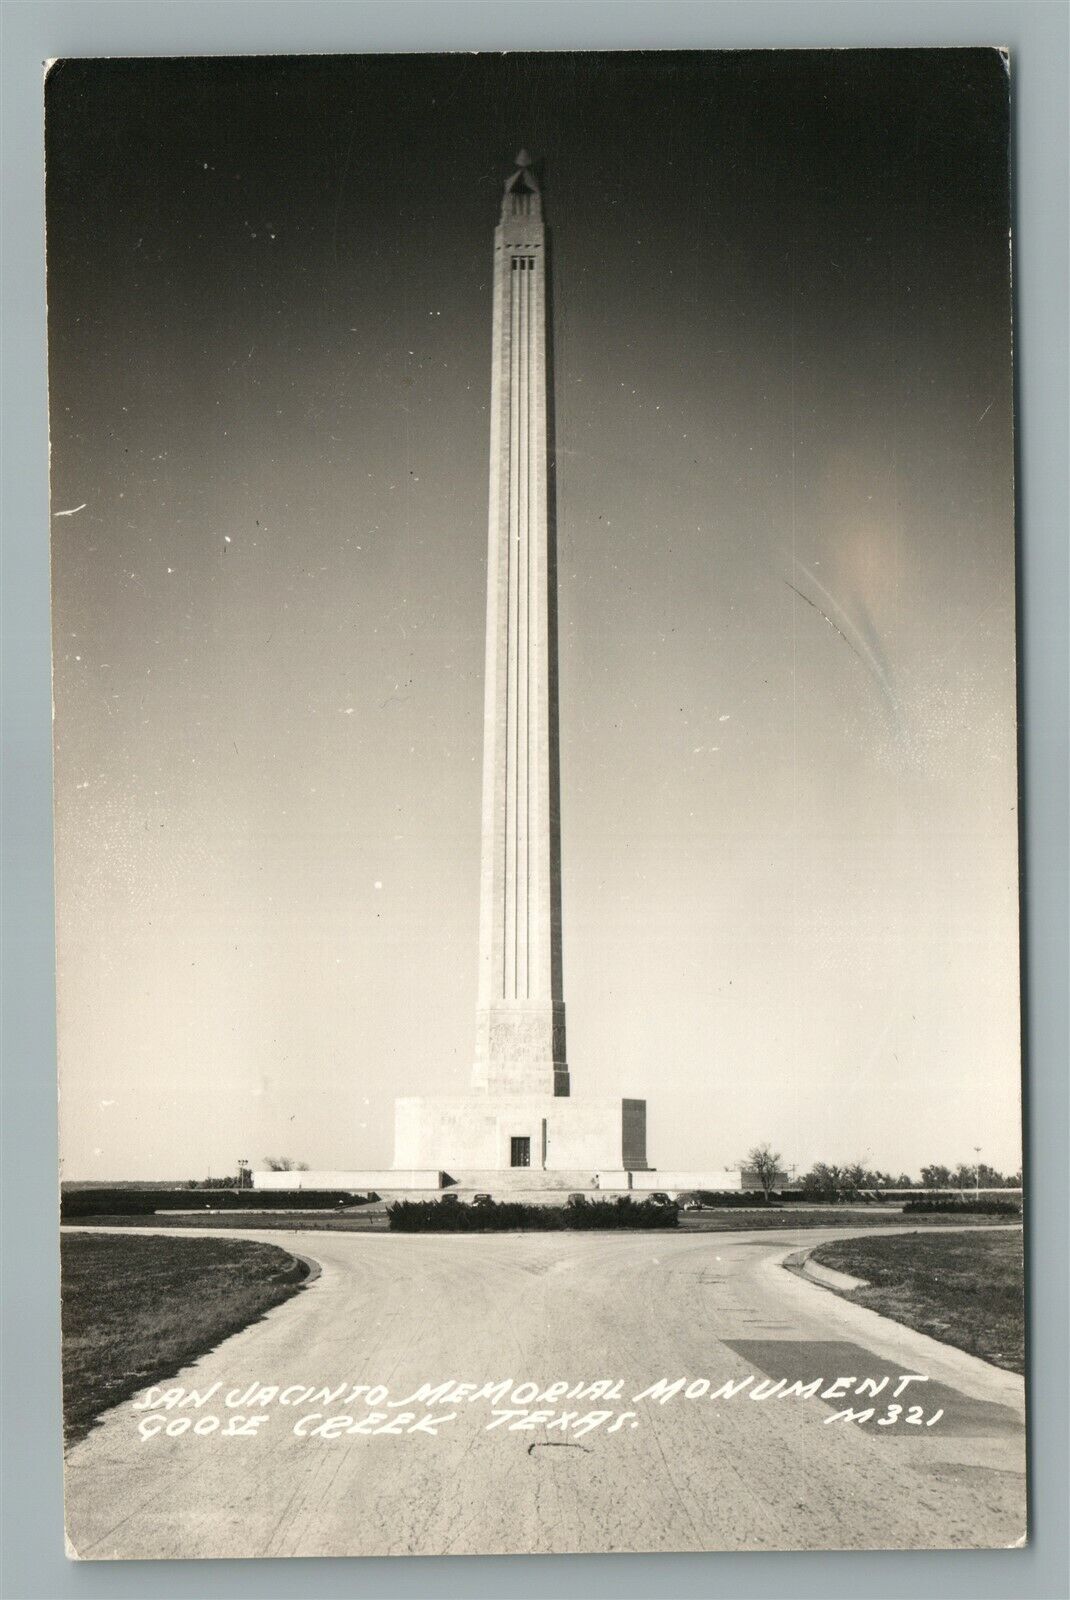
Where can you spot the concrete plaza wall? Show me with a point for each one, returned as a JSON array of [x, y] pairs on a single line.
[[675, 1180], [592, 1176], [523, 1181], [355, 1182]]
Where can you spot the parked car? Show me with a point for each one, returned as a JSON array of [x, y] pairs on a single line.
[[576, 1200], [659, 1198], [482, 1200], [449, 1200]]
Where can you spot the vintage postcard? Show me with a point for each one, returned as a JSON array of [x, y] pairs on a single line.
[[536, 803]]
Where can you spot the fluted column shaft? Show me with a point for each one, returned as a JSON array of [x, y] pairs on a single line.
[[520, 1043]]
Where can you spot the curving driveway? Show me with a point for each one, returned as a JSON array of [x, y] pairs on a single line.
[[687, 1474]]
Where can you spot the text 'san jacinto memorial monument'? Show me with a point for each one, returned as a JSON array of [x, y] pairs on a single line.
[[520, 1113]]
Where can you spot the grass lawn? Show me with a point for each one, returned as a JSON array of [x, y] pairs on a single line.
[[743, 1221], [241, 1221], [137, 1309], [966, 1289]]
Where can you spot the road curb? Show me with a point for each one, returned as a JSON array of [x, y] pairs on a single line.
[[312, 1267], [960, 1367], [828, 1277]]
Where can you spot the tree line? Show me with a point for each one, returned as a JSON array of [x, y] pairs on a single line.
[[828, 1181]]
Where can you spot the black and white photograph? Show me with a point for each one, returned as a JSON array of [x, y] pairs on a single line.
[[536, 802]]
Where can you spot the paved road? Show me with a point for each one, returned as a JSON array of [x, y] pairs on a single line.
[[687, 1474]]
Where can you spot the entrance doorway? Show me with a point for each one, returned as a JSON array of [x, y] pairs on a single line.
[[520, 1152]]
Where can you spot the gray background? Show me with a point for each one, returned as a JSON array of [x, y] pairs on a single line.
[[1037, 36]]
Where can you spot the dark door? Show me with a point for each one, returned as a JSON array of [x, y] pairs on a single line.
[[520, 1152]]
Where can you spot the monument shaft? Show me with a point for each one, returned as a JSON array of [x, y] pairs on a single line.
[[520, 1114], [520, 1028]]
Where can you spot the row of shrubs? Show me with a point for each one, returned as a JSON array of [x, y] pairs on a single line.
[[491, 1216], [949, 1205], [142, 1202], [832, 1197], [726, 1198]]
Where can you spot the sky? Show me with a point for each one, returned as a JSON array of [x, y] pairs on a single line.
[[782, 366]]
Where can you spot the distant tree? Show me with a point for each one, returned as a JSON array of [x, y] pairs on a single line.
[[904, 1181], [822, 1182], [856, 1177], [766, 1163], [284, 1164], [935, 1177]]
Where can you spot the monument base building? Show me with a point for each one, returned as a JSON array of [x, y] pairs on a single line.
[[498, 1132]]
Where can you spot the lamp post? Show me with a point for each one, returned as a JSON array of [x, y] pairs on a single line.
[[977, 1173], [243, 1170]]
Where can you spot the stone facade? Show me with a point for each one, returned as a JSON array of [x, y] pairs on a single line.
[[517, 1043], [478, 1133]]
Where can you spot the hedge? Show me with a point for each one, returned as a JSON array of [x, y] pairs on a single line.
[[143, 1202], [836, 1197], [724, 1198], [436, 1216], [952, 1207]]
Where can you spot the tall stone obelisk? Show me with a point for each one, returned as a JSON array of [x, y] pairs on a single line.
[[520, 1021], [520, 1113]]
